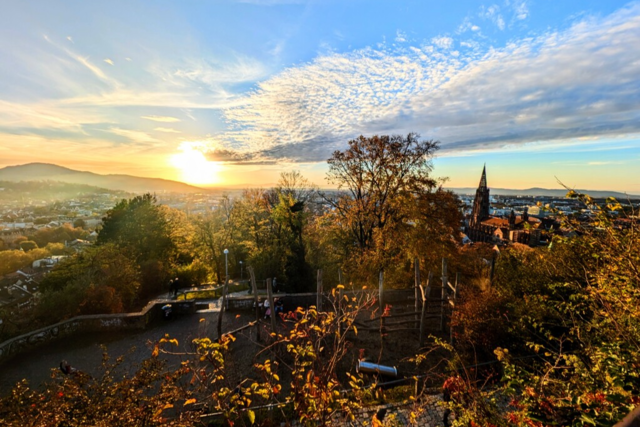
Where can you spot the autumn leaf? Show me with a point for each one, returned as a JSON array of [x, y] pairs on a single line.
[[189, 402]]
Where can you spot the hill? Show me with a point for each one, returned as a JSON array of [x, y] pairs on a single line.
[[19, 192], [129, 183], [559, 192]]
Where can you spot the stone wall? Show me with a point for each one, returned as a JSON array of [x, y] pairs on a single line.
[[89, 323]]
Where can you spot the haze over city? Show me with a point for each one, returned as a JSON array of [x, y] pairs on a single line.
[[234, 92]]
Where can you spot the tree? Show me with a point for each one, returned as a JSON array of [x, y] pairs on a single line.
[[28, 245], [139, 226], [383, 178]]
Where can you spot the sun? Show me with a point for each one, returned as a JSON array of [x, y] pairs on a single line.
[[195, 168]]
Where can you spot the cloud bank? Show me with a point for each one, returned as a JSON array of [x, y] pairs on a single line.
[[582, 81]]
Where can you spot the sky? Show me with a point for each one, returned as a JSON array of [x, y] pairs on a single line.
[[233, 92]]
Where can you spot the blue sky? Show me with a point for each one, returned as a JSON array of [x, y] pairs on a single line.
[[215, 92]]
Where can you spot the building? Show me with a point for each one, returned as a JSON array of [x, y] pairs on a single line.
[[484, 227]]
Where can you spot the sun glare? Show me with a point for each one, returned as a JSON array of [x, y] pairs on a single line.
[[195, 168]]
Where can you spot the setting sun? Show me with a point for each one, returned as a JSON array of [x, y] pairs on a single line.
[[195, 168]]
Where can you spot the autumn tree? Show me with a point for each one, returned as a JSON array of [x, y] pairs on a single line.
[[386, 195]]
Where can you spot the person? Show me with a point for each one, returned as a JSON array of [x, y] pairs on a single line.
[[176, 285], [267, 309], [279, 306], [274, 287], [66, 368], [166, 311]]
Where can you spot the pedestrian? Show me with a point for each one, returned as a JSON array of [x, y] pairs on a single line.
[[267, 309], [66, 368], [176, 285], [274, 286]]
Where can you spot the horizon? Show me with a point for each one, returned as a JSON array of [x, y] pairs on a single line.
[[242, 186], [234, 92]]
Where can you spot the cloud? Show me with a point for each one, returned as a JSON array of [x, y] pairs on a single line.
[[108, 61], [521, 10], [163, 119], [492, 13], [167, 130], [442, 42], [606, 163], [582, 81], [401, 37], [135, 135]]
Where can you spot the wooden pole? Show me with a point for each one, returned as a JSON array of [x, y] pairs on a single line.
[[256, 301], [493, 268], [381, 290], [340, 311], [272, 307], [444, 285], [425, 302], [319, 292], [416, 265], [222, 307], [455, 294]]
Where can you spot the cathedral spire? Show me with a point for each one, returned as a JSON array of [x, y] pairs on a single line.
[[483, 178], [481, 203]]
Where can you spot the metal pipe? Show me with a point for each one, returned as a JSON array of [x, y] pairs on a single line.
[[374, 368]]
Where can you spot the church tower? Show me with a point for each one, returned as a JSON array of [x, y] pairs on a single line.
[[481, 202]]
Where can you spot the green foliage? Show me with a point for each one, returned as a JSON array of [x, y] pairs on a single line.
[[28, 245], [100, 279], [139, 226]]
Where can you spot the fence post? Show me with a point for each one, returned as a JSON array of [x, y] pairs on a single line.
[[223, 303], [493, 268], [416, 265], [256, 302], [340, 296], [453, 306], [425, 304], [272, 307], [443, 293], [319, 292]]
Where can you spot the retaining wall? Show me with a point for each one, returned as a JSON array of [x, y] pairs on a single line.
[[89, 323]]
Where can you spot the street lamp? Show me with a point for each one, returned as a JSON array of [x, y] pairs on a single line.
[[241, 270], [226, 264]]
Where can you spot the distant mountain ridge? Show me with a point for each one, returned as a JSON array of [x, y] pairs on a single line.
[[129, 183], [536, 191]]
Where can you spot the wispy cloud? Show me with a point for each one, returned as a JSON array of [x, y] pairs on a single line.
[[167, 130], [443, 42], [163, 119], [493, 14], [135, 135], [579, 82], [108, 61]]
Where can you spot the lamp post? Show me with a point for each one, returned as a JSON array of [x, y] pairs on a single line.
[[226, 264], [241, 270]]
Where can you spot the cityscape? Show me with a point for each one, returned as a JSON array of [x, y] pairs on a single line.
[[301, 213]]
